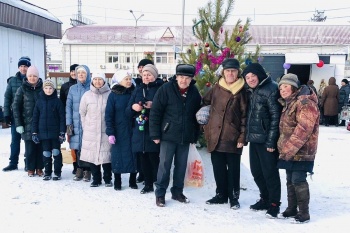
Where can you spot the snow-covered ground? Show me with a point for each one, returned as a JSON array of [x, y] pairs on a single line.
[[33, 205]]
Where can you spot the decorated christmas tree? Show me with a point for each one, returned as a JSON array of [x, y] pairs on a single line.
[[217, 42]]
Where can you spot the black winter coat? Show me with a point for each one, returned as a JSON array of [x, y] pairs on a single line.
[[48, 117], [264, 112], [141, 141], [344, 92], [173, 117], [118, 124], [13, 84], [23, 106], [65, 89]]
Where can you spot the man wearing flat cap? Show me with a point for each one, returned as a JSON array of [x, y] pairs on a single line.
[[173, 124], [262, 134]]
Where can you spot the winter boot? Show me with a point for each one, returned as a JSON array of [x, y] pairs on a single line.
[[39, 172], [261, 204], [117, 182], [291, 210], [132, 181], [57, 165], [87, 176], [273, 210], [234, 204], [218, 199], [79, 174], [303, 199], [57, 176], [47, 165], [75, 166]]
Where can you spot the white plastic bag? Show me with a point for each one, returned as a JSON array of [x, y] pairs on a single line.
[[194, 172]]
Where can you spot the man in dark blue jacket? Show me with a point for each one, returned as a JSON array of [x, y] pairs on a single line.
[[13, 84], [173, 124], [262, 133]]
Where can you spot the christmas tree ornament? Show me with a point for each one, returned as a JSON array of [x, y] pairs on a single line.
[[320, 64], [286, 66], [206, 67], [189, 51], [240, 28], [195, 44], [208, 84], [221, 30], [248, 61], [206, 44], [238, 39]]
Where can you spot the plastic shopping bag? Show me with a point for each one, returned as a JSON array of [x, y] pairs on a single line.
[[194, 172]]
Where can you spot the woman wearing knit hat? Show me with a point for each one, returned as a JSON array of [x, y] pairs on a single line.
[[138, 110], [297, 144], [95, 148], [23, 107], [142, 63], [329, 103], [119, 129], [225, 132], [49, 127], [262, 134], [73, 121], [13, 83]]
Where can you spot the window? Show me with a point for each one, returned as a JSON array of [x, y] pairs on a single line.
[[127, 58], [112, 57], [161, 58]]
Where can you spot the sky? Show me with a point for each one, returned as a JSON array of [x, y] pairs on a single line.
[[169, 13], [29, 204]]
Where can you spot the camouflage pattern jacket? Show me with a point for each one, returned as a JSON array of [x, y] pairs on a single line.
[[299, 126]]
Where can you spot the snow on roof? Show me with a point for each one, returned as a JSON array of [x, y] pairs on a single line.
[[262, 34], [26, 6]]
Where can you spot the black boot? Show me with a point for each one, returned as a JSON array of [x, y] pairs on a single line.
[[10, 167], [303, 199], [57, 165], [234, 204], [132, 181], [218, 199], [291, 210], [75, 166], [117, 182]]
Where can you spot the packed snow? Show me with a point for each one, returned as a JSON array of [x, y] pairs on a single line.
[[33, 205]]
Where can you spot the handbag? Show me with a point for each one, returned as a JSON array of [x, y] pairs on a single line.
[[194, 172], [202, 115]]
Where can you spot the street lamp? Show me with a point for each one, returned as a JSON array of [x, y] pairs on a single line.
[[136, 19]]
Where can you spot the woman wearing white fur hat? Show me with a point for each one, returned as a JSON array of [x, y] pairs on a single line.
[[119, 129], [96, 149]]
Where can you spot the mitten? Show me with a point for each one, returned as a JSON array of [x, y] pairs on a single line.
[[35, 138], [20, 129], [8, 120], [111, 139], [62, 137]]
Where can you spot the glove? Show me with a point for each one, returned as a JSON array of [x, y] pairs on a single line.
[[35, 138], [70, 131], [20, 129], [8, 120], [62, 137], [111, 139]]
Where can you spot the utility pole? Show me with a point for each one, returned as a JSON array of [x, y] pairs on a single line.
[[134, 55]]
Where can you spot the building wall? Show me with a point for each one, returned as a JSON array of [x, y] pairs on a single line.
[[13, 45]]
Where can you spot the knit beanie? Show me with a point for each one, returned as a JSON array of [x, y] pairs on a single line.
[[152, 69], [48, 82], [32, 70], [119, 76], [81, 67], [144, 62], [72, 67], [256, 69], [345, 81], [98, 75], [290, 79], [24, 61]]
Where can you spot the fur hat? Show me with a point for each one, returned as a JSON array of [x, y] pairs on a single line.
[[230, 63], [24, 61], [48, 82], [186, 70], [72, 67], [152, 69], [144, 62], [119, 76], [98, 75], [256, 69], [32, 70], [290, 79]]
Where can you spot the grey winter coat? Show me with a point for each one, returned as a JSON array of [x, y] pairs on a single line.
[[72, 110]]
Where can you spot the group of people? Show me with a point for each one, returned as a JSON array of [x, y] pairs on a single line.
[[145, 125]]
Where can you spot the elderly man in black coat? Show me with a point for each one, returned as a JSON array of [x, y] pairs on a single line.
[[173, 124]]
